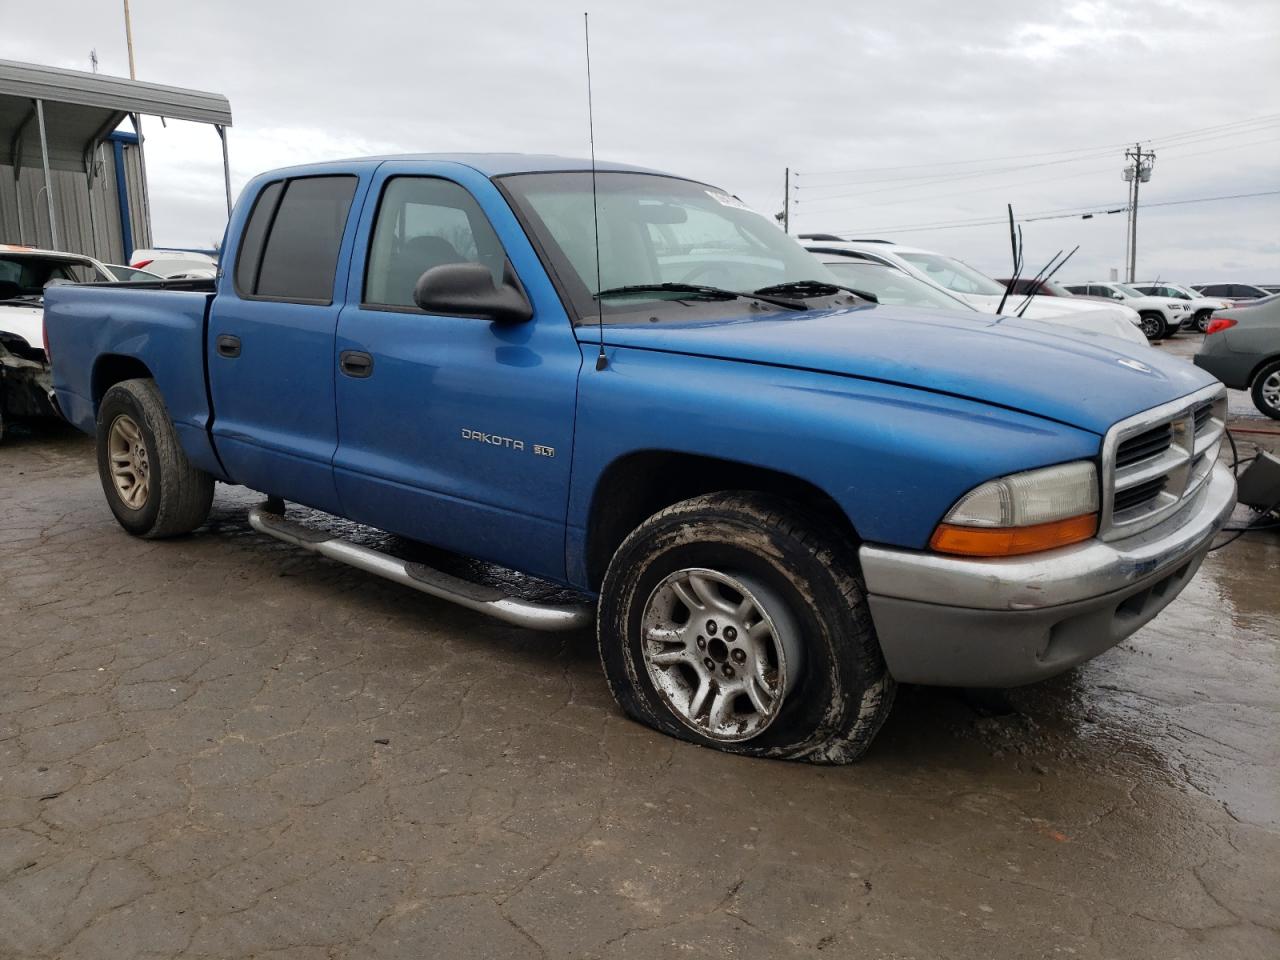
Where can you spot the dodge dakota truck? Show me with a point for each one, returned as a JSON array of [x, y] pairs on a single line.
[[776, 498]]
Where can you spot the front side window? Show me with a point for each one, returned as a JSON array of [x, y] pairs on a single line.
[[952, 274], [300, 253], [425, 222], [653, 230]]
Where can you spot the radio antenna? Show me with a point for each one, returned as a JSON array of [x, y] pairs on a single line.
[[601, 360]]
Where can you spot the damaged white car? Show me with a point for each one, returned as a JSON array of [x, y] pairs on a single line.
[[26, 390]]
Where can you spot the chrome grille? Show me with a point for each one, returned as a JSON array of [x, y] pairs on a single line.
[[1147, 444], [1154, 462]]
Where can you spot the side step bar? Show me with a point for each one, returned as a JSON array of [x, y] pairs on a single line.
[[474, 596]]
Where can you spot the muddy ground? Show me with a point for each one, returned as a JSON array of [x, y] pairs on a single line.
[[217, 747]]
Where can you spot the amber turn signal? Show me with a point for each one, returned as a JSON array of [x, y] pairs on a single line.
[[1012, 541]]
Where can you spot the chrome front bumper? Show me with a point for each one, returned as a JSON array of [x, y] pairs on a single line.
[[952, 621]]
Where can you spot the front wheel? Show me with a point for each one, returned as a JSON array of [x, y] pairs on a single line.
[[731, 621], [1266, 390], [1202, 320], [152, 488], [1154, 326]]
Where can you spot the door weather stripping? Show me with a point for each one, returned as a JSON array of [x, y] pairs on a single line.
[[473, 596]]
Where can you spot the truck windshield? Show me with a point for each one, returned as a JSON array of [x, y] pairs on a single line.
[[654, 230]]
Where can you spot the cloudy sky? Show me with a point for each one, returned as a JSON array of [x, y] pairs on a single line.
[[915, 121]]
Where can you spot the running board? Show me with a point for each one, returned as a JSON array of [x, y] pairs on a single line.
[[473, 596]]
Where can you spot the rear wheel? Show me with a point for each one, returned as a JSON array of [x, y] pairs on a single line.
[[731, 621], [1153, 326], [1266, 390], [152, 488]]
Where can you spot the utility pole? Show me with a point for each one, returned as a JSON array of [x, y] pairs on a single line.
[[786, 201], [1137, 172], [128, 35]]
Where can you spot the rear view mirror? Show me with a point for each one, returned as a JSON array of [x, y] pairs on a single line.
[[468, 290]]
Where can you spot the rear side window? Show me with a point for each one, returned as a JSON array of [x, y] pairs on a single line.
[[255, 231], [299, 255], [424, 222]]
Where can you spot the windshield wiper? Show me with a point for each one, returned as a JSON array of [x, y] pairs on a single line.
[[804, 289], [714, 293]]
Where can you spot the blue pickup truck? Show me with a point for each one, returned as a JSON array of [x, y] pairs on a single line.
[[776, 497]]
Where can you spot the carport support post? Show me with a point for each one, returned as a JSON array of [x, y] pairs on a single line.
[[48, 183], [136, 118], [226, 165]]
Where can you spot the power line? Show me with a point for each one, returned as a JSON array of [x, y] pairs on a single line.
[[1166, 139], [1080, 212], [1023, 183], [927, 179]]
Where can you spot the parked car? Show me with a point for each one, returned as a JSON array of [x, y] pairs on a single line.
[[777, 498], [1041, 288], [125, 274], [1242, 349], [887, 284], [1271, 287], [1201, 307], [170, 263], [26, 388], [1235, 292], [979, 290], [1161, 316]]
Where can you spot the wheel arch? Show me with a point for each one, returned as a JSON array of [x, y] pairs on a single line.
[[112, 368], [1259, 367], [637, 485]]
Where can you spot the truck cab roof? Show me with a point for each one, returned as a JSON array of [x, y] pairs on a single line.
[[489, 164]]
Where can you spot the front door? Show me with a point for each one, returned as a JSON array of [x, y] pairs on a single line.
[[452, 430]]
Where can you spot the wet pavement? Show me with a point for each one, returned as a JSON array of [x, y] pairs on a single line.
[[219, 747]]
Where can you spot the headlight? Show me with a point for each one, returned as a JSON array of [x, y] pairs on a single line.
[[1023, 513]]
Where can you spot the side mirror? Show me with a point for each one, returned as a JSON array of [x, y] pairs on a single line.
[[468, 290]]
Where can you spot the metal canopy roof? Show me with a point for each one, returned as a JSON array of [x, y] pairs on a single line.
[[81, 108]]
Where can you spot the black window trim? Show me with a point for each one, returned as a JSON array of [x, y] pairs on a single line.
[[257, 271], [364, 304]]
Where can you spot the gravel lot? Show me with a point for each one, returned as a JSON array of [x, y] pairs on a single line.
[[216, 747]]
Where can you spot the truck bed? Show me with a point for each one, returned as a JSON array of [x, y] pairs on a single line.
[[95, 331]]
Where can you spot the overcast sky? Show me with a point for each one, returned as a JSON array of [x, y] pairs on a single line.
[[855, 97]]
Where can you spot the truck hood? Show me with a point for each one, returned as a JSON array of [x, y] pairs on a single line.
[[25, 321], [1079, 378]]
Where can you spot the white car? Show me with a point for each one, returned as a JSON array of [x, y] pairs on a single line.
[[1161, 316], [1201, 307], [25, 272], [169, 264], [983, 293], [26, 387]]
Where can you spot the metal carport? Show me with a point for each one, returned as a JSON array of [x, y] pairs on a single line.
[[57, 118]]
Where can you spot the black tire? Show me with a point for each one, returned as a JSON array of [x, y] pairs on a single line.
[[1154, 326], [1202, 318], [1271, 370], [841, 693], [179, 495]]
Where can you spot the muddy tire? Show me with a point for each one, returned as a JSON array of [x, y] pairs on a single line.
[[735, 621], [150, 485], [1266, 390]]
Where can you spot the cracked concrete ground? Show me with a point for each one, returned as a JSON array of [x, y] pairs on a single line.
[[218, 747]]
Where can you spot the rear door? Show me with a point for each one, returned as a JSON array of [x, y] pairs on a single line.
[[271, 334], [453, 431]]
